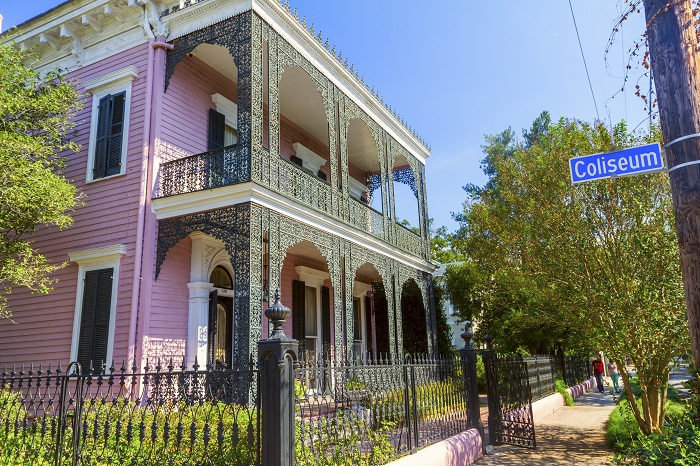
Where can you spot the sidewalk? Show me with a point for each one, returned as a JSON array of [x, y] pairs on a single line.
[[573, 435]]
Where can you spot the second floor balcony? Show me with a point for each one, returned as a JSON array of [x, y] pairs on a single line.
[[293, 133]]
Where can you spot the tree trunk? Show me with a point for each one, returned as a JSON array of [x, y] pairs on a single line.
[[673, 46]]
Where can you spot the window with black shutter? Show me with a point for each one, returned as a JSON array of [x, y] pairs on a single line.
[[299, 311], [217, 129], [109, 137], [94, 320], [326, 319]]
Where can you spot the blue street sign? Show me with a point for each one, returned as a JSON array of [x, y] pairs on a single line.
[[631, 161]]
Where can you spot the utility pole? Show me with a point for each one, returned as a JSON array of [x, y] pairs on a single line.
[[673, 47]]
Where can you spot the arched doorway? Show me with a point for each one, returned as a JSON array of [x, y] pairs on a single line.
[[220, 318]]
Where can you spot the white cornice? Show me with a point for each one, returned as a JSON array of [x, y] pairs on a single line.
[[77, 38], [97, 254], [201, 201], [312, 277], [128, 73]]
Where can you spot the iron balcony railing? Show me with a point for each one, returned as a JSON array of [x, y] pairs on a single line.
[[230, 165], [213, 169]]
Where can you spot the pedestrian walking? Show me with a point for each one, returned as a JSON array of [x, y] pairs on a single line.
[[598, 370], [614, 375]]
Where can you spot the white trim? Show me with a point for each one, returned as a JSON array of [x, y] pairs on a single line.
[[211, 199], [312, 277], [113, 78], [103, 253], [110, 83], [311, 159], [228, 108], [95, 259]]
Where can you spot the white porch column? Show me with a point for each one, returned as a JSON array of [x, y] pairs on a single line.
[[198, 323]]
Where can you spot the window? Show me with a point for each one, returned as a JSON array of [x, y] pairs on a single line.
[[109, 128], [94, 320], [223, 123], [95, 307]]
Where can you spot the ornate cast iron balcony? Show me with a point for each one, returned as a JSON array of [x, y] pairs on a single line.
[[227, 166], [213, 169], [367, 219]]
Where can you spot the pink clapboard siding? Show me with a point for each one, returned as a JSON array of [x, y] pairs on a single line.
[[186, 104], [169, 307], [43, 324]]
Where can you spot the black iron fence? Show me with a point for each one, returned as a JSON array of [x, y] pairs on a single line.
[[160, 415], [373, 411], [543, 370]]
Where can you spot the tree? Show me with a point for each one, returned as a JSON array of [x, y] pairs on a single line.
[[594, 265], [36, 114]]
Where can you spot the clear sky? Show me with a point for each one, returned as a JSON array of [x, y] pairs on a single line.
[[459, 69]]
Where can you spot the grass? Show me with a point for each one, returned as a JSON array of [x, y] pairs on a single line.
[[622, 427]]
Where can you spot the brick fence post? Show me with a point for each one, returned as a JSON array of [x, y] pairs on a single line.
[[276, 359]]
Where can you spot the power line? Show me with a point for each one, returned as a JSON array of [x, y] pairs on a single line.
[[584, 61]]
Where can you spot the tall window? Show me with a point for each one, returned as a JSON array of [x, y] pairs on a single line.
[[95, 317], [95, 310], [109, 125], [110, 135]]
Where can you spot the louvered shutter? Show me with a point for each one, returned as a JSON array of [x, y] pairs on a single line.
[[368, 321], [217, 129], [211, 347], [326, 317], [116, 134], [299, 311], [102, 137], [94, 321]]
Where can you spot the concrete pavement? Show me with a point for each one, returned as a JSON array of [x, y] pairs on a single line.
[[572, 435]]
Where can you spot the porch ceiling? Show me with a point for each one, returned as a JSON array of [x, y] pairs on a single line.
[[218, 58]]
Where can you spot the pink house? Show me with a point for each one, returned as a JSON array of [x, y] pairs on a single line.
[[226, 152]]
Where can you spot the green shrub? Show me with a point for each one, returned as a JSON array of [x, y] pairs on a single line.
[[480, 374], [678, 445], [623, 432], [562, 388]]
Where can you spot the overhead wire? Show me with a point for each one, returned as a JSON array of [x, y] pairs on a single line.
[[578, 36]]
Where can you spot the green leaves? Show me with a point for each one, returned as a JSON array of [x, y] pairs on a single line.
[[594, 266], [36, 116]]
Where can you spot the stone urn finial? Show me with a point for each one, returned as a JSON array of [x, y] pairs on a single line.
[[278, 314], [468, 334]]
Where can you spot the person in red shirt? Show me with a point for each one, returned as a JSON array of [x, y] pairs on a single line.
[[598, 371]]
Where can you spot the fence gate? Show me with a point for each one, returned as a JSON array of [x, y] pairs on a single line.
[[510, 401]]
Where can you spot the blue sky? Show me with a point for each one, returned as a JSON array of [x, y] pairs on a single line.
[[458, 69]]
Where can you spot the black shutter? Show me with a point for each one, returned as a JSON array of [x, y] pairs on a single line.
[[217, 125], [116, 133], [211, 349], [299, 311], [102, 137], [109, 135], [94, 321], [368, 323], [326, 318]]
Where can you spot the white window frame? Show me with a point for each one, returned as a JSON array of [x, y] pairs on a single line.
[[313, 278], [359, 291], [95, 259], [110, 83]]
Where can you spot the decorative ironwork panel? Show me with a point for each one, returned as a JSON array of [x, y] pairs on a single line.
[[213, 169], [236, 35], [232, 226], [407, 240], [161, 415], [405, 176], [542, 370], [366, 219], [510, 408], [303, 187], [373, 411]]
